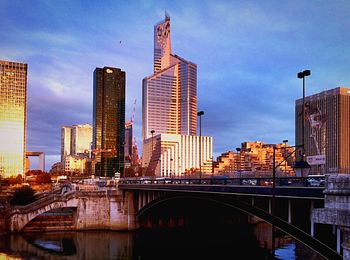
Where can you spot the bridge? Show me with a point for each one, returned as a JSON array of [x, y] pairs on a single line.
[[287, 205], [95, 209], [137, 202]]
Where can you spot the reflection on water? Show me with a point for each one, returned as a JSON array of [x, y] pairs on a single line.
[[251, 241]]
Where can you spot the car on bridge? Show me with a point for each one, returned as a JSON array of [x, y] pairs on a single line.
[[315, 180]]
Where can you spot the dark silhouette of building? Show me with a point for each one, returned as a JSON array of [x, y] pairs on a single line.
[[109, 121]]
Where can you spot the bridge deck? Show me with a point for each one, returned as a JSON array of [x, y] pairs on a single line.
[[290, 192]]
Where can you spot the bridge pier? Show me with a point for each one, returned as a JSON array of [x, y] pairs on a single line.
[[337, 209]]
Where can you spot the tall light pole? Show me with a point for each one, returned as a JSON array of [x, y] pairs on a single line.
[[302, 75], [152, 132], [239, 161], [285, 149], [200, 113]]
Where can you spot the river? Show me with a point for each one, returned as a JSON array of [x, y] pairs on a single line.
[[237, 241]]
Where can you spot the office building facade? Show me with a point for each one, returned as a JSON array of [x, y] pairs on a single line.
[[75, 140], [327, 129], [13, 100], [169, 96], [109, 120], [66, 132], [173, 155]]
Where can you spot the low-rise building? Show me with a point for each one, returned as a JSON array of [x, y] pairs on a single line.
[[176, 155]]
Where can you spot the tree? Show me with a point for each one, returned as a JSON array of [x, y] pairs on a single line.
[[23, 196], [14, 180], [43, 178], [34, 172]]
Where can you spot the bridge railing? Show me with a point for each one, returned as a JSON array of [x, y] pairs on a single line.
[[309, 181]]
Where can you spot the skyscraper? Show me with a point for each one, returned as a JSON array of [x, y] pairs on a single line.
[[169, 96], [81, 138], [75, 139], [109, 120], [66, 132], [327, 129], [13, 99]]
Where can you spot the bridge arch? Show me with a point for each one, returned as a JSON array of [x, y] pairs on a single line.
[[233, 202], [20, 216]]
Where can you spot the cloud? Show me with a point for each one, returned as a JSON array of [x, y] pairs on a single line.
[[247, 57]]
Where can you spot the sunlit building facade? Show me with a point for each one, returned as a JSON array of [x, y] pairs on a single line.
[[66, 132], [327, 129], [13, 98], [75, 140], [109, 121], [256, 157], [169, 96], [172, 155], [81, 138]]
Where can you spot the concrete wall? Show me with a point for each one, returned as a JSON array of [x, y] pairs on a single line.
[[94, 210]]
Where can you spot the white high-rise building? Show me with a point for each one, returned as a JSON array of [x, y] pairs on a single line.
[[75, 140], [169, 96], [170, 155], [169, 113], [81, 138]]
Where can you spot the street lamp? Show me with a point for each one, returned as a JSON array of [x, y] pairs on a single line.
[[239, 161], [171, 167], [151, 155], [200, 113], [285, 149], [299, 165], [302, 75]]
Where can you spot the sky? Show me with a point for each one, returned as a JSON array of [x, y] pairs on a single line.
[[248, 54]]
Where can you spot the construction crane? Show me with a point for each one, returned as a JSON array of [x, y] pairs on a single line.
[[131, 121]]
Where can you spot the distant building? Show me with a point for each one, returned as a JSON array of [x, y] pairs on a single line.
[[327, 129], [13, 102], [41, 157], [256, 157], [75, 141], [56, 168], [128, 144], [66, 132], [77, 164], [109, 120], [81, 138], [177, 155], [169, 96]]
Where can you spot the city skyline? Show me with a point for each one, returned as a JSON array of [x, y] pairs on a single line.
[[247, 58]]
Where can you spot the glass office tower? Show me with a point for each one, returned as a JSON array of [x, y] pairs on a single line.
[[109, 121], [13, 99]]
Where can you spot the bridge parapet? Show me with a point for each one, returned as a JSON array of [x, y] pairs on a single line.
[[337, 207]]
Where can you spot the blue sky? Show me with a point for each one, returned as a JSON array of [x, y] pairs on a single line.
[[247, 52]]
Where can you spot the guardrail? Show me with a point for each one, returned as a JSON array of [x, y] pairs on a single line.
[[310, 181]]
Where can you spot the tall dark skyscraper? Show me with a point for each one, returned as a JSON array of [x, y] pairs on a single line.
[[109, 121]]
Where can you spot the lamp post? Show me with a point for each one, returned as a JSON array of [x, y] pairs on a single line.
[[239, 161], [200, 113], [285, 148], [302, 75], [298, 165], [151, 156], [171, 167]]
